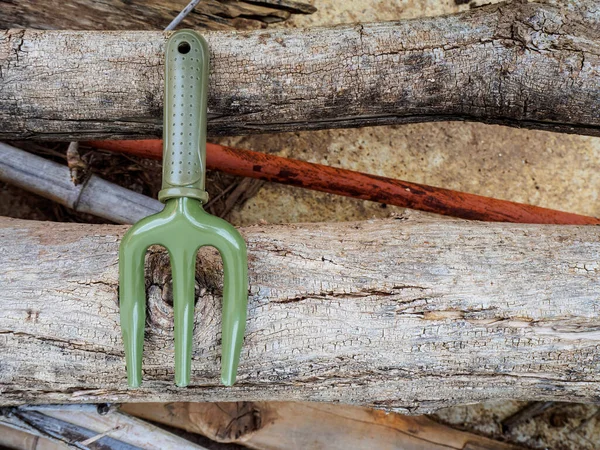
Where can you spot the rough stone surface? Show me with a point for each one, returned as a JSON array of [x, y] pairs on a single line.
[[547, 169]]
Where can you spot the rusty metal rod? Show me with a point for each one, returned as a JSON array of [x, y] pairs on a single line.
[[359, 185]]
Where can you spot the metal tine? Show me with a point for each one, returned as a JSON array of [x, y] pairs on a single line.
[[132, 292], [205, 230], [233, 323], [232, 248], [183, 227], [183, 265]]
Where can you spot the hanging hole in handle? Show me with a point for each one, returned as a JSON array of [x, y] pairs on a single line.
[[184, 47]]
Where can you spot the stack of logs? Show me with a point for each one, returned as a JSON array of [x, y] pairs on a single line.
[[409, 314]]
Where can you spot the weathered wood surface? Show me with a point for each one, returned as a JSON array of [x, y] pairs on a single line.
[[303, 425], [145, 14], [411, 314], [121, 431], [533, 65], [54, 181], [16, 439]]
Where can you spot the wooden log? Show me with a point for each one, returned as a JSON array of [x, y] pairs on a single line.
[[409, 314], [16, 439], [302, 425], [145, 14], [113, 431], [522, 64], [93, 196]]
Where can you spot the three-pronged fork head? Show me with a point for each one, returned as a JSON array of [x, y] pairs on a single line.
[[183, 226]]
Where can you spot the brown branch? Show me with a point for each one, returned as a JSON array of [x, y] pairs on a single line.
[[264, 166]]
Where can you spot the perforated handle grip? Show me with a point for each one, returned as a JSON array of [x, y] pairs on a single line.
[[184, 121]]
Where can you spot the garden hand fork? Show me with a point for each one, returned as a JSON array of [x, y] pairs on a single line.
[[183, 226]]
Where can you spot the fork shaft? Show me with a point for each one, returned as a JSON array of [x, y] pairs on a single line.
[[235, 301], [132, 300], [183, 261]]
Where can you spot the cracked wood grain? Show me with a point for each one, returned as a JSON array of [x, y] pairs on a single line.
[[533, 65], [145, 14], [293, 425], [409, 314]]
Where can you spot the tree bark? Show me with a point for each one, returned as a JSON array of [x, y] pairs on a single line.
[[409, 314], [145, 14], [533, 65]]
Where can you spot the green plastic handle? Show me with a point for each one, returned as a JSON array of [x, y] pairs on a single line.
[[183, 227], [184, 132]]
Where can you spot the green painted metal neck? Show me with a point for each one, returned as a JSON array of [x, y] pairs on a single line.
[[185, 111]]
